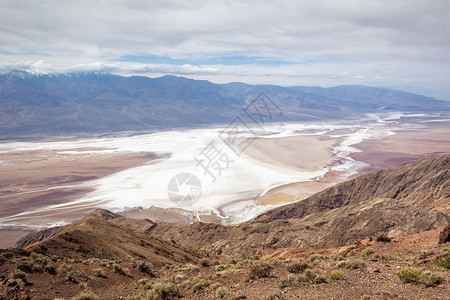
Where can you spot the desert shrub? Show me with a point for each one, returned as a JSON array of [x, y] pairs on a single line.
[[286, 282], [26, 267], [297, 267], [189, 268], [365, 297], [85, 296], [425, 254], [369, 251], [20, 283], [442, 261], [311, 277], [252, 257], [417, 277], [382, 238], [221, 268], [215, 286], [142, 281], [259, 270], [410, 276], [163, 290], [99, 272], [18, 274], [71, 275], [120, 270], [200, 285], [336, 275], [178, 278], [145, 268], [319, 279], [315, 257], [431, 280], [352, 264], [221, 293], [83, 286]]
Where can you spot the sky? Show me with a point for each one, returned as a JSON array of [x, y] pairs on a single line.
[[401, 44]]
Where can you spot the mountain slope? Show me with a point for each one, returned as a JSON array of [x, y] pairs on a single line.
[[408, 199], [89, 102], [105, 235]]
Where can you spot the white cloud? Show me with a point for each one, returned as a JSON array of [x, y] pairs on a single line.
[[395, 43]]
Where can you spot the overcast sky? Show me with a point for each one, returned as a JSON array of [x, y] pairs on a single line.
[[396, 43]]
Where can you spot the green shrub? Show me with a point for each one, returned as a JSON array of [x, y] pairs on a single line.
[[319, 279], [221, 268], [18, 274], [163, 290], [201, 285], [336, 275], [311, 277], [369, 251], [286, 282], [416, 277], [382, 238], [145, 268], [259, 270], [442, 260], [315, 257], [120, 270], [99, 272], [297, 267], [221, 293], [352, 264], [432, 280], [410, 276], [425, 254]]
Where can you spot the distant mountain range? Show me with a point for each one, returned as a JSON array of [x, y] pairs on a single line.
[[61, 104]]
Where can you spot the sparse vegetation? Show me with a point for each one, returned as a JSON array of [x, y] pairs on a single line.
[[200, 285], [311, 277], [442, 261], [425, 254], [336, 275], [410, 276], [221, 268], [163, 290], [99, 272], [120, 270], [417, 277], [259, 270], [352, 264], [286, 282], [297, 267], [369, 251], [221, 293]]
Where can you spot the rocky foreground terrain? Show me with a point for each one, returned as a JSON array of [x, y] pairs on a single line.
[[383, 235]]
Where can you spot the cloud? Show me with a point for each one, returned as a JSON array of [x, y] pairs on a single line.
[[405, 42]]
